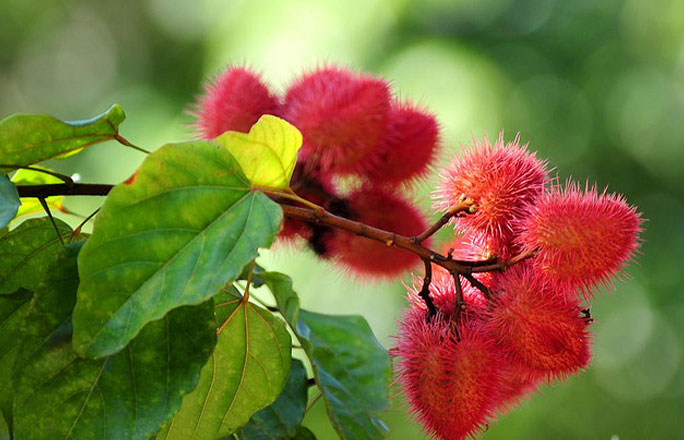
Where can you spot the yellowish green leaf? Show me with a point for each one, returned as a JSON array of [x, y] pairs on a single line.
[[268, 153]]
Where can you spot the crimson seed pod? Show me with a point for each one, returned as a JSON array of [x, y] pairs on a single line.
[[234, 100], [410, 143], [502, 179], [537, 325], [342, 116], [451, 386], [516, 384], [385, 210], [583, 238]]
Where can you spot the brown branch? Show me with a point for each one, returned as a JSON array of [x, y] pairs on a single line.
[[503, 265], [478, 285], [321, 217], [425, 290], [465, 205], [62, 189]]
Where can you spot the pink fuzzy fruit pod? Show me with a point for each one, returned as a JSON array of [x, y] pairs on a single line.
[[385, 210], [234, 100], [342, 116], [409, 145], [502, 179], [583, 239], [451, 386], [537, 325], [516, 385]]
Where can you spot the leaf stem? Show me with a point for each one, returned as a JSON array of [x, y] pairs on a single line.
[[52, 219], [245, 296], [77, 230], [123, 141], [290, 195], [313, 401]]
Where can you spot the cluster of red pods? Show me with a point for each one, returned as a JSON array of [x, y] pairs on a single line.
[[523, 326]]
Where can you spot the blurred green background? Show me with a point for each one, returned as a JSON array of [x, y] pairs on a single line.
[[597, 87]]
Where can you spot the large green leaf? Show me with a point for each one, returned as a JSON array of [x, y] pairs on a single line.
[[12, 314], [9, 201], [31, 205], [281, 419], [28, 139], [26, 251], [268, 153], [125, 396], [174, 236], [352, 369], [247, 372]]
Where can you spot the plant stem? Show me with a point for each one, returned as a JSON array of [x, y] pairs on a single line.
[[62, 189], [425, 290], [45, 206], [465, 205], [123, 141]]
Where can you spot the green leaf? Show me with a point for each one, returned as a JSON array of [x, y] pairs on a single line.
[[9, 201], [28, 139], [12, 314], [187, 225], [352, 369], [31, 205], [26, 251], [268, 153], [128, 395], [281, 419], [246, 373]]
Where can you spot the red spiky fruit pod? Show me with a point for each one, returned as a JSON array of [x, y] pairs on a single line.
[[410, 144], [342, 116], [234, 100], [385, 210], [537, 325], [583, 238], [502, 179], [451, 386], [516, 384]]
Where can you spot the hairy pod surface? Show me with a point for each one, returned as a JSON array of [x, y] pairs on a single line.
[[452, 387], [409, 145], [502, 179], [583, 238], [234, 100], [342, 116], [538, 326]]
